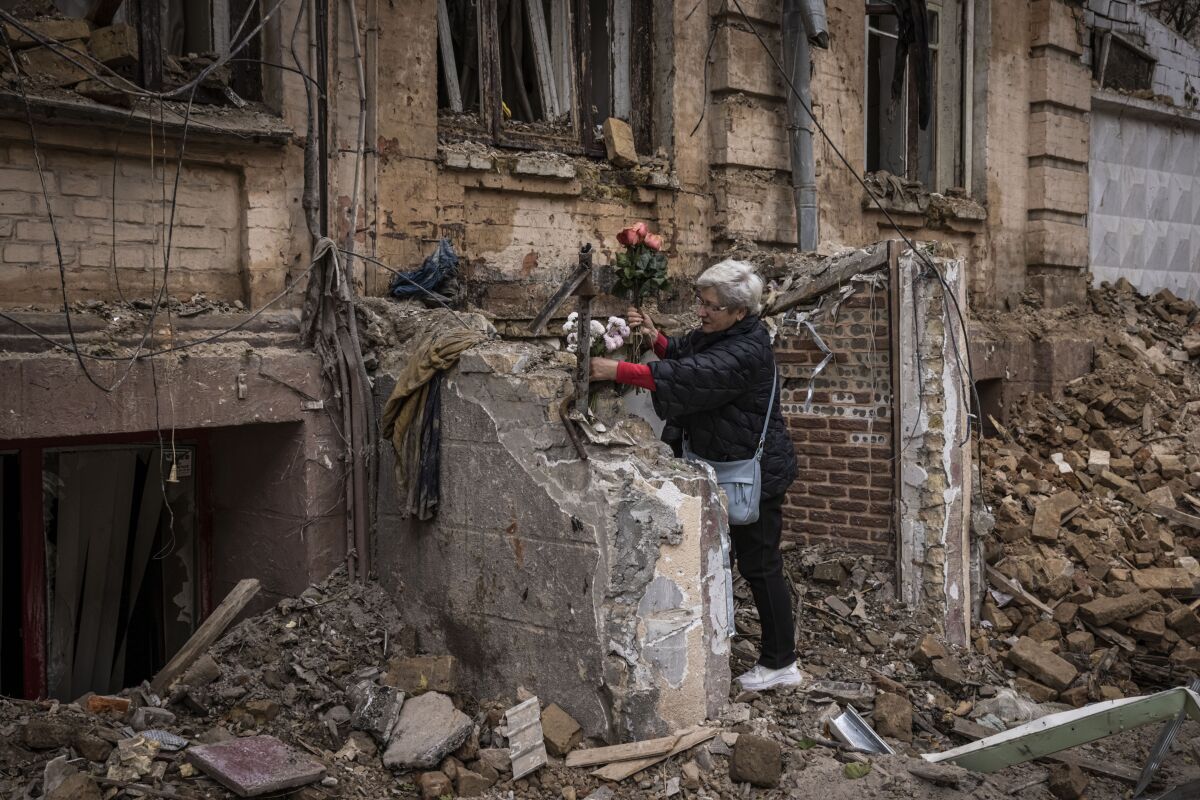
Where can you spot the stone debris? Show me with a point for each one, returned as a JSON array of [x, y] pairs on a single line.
[[560, 731], [255, 765], [1101, 549], [429, 729], [757, 761], [1067, 781], [417, 674], [619, 144]]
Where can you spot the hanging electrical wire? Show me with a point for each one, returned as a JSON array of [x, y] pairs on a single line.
[[966, 372]]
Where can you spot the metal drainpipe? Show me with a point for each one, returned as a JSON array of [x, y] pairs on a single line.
[[803, 23]]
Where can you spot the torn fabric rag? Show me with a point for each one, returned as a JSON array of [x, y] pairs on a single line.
[[411, 417]]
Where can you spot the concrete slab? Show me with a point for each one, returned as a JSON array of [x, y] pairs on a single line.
[[256, 765]]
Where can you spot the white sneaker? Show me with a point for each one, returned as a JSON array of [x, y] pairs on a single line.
[[761, 678]]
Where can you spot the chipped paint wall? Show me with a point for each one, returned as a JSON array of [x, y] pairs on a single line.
[[597, 585]]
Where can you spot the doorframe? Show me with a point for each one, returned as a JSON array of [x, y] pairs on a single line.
[[33, 535]]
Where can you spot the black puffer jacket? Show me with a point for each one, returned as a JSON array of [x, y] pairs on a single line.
[[716, 387]]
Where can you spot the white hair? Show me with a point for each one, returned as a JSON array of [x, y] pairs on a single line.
[[736, 283]]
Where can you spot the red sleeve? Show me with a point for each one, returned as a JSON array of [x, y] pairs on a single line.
[[660, 346], [635, 375]]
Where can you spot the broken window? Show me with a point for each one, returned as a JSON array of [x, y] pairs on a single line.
[[1122, 65], [896, 142], [100, 565], [546, 69], [175, 39]]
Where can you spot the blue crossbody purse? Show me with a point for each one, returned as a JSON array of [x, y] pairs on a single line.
[[741, 480]]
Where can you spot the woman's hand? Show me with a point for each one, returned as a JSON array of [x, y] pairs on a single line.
[[604, 369], [636, 317]]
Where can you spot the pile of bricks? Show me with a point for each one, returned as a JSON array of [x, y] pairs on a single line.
[[1096, 499]]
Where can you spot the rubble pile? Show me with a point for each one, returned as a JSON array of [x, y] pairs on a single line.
[[1096, 501]]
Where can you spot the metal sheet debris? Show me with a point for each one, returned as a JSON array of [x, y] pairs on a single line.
[[851, 729], [1056, 732], [523, 729]]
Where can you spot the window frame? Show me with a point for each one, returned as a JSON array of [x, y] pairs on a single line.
[[950, 98], [487, 124]]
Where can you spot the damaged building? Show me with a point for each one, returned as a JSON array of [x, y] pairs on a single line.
[[212, 217]]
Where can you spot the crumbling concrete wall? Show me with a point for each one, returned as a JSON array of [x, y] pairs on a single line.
[[597, 585], [933, 558]]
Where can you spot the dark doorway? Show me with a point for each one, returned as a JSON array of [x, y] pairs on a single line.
[[991, 403]]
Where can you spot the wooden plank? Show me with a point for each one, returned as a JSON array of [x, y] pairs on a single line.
[[622, 42], [449, 64], [560, 52], [33, 574], [540, 41], [903, 564], [1176, 516], [622, 752], [70, 557], [998, 579], [143, 543], [124, 463], [95, 483], [206, 634], [568, 287], [835, 273], [146, 16], [627, 769], [489, 66]]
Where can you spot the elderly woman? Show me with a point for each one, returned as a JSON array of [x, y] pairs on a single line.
[[714, 388]]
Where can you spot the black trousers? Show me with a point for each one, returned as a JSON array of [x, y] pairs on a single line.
[[756, 552]]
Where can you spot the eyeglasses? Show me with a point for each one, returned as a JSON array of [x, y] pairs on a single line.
[[701, 303]]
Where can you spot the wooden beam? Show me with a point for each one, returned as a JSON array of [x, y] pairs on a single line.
[[568, 287], [835, 272], [560, 52], [543, 61], [206, 634], [33, 574], [619, 60], [622, 752], [626, 769], [488, 24], [903, 565], [998, 579], [148, 19], [1176, 516], [449, 64]]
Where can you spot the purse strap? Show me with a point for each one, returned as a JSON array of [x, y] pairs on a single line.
[[762, 440]]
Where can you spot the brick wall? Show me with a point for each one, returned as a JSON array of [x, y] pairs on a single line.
[[844, 444], [207, 245]]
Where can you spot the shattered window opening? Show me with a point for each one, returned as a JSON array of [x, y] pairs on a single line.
[[894, 141], [562, 67], [164, 44]]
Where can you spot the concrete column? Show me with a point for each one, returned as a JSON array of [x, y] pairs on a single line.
[[1059, 103], [935, 474]]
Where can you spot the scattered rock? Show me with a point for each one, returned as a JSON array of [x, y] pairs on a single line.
[[1042, 664], [429, 729], [619, 144], [560, 731], [1067, 781], [434, 785], [893, 716], [756, 761]]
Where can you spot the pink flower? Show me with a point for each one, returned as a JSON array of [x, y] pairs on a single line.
[[628, 237], [653, 241], [641, 230]]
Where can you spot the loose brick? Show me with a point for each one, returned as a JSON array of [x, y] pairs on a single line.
[[1042, 664]]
